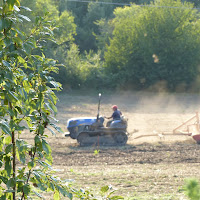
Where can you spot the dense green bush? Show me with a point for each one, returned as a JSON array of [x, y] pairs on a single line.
[[147, 46], [82, 70], [153, 44]]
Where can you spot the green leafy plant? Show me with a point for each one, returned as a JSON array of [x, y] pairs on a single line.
[[192, 188], [27, 104], [106, 193], [96, 152]]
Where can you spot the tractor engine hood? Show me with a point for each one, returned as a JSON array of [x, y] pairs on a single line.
[[73, 122]]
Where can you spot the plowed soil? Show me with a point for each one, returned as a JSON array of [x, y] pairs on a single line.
[[150, 167], [141, 154]]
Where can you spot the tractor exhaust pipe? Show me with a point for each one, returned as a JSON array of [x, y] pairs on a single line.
[[99, 106]]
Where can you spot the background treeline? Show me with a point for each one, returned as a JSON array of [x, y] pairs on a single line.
[[127, 47]]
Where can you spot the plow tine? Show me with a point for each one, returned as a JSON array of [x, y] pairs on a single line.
[[161, 135]]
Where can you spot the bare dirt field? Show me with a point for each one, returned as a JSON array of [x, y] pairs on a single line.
[[146, 168]]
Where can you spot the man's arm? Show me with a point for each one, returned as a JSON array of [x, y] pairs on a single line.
[[108, 117]]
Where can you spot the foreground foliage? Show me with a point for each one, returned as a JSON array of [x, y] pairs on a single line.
[[28, 105], [192, 188]]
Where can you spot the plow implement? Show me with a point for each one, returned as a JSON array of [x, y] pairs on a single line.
[[191, 128]]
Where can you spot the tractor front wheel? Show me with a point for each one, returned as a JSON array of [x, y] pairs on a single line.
[[83, 139], [73, 132]]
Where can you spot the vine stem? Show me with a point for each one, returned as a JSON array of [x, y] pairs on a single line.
[[14, 163], [12, 132], [14, 155], [29, 174], [33, 156]]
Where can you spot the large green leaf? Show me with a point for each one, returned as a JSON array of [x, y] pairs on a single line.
[[26, 189], [16, 8], [1, 25], [55, 84], [44, 164], [8, 166], [11, 2], [8, 148], [1, 162], [4, 179], [37, 175], [52, 97], [10, 183], [38, 194], [104, 189], [24, 17], [3, 197], [51, 131], [41, 129], [5, 127], [7, 140], [4, 23], [22, 157], [31, 164], [12, 96], [56, 127], [26, 8], [5, 63], [56, 195], [52, 107], [46, 146]]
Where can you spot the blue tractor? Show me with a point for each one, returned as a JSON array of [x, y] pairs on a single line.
[[91, 130]]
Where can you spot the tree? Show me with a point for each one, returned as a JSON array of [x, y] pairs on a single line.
[[27, 104], [86, 14], [66, 28], [105, 32], [88, 28], [195, 2], [152, 44], [62, 25], [82, 70]]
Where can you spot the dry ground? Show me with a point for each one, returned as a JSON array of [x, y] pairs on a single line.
[[146, 168]]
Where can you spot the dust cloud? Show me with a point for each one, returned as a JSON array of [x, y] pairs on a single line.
[[147, 112], [152, 112]]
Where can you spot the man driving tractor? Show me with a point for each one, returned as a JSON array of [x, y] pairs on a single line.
[[115, 116]]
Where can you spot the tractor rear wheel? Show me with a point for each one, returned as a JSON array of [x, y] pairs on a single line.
[[120, 138]]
